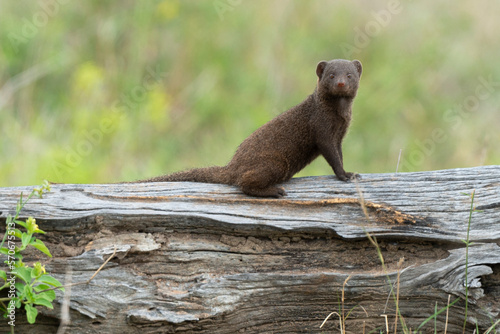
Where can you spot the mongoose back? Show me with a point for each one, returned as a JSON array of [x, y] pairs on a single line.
[[285, 145]]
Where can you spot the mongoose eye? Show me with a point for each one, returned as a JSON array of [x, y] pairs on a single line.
[[349, 75], [332, 76]]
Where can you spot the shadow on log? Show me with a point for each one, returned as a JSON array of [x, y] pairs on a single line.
[[204, 258]]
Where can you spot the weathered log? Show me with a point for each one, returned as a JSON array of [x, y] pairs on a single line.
[[204, 258]]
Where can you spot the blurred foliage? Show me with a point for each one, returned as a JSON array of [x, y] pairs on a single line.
[[105, 91]]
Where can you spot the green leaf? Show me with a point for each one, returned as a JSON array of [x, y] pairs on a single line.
[[38, 244], [43, 302], [19, 204], [3, 275], [31, 313], [50, 295], [464, 241], [18, 233], [20, 289], [46, 186], [28, 292], [5, 251], [25, 239], [24, 273], [41, 287], [49, 280], [18, 255], [20, 222]]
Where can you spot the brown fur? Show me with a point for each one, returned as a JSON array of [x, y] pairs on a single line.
[[283, 146]]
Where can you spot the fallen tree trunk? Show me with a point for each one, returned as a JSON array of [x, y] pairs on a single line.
[[204, 258]]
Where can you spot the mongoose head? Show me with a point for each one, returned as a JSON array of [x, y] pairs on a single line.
[[339, 77]]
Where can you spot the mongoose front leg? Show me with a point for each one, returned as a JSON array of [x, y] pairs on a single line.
[[333, 155], [349, 175]]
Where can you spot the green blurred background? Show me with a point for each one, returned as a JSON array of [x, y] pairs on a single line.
[[106, 91]]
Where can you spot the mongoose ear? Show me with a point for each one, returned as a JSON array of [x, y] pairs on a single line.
[[320, 68], [359, 67]]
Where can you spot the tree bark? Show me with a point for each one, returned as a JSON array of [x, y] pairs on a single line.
[[204, 258]]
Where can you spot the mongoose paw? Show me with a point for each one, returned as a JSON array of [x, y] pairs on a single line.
[[281, 191], [352, 176], [276, 192], [342, 178], [348, 177]]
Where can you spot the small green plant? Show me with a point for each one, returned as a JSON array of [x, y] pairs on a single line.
[[25, 285]]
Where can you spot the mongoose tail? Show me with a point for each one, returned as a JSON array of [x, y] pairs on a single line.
[[214, 174]]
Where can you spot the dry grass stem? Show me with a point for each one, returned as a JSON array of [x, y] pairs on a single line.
[[399, 159], [86, 282], [343, 299], [386, 322], [400, 263], [328, 317], [447, 310], [102, 266]]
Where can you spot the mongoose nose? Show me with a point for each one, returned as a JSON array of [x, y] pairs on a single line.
[[341, 84]]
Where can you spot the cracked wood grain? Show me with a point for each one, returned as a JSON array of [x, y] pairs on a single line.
[[204, 258]]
